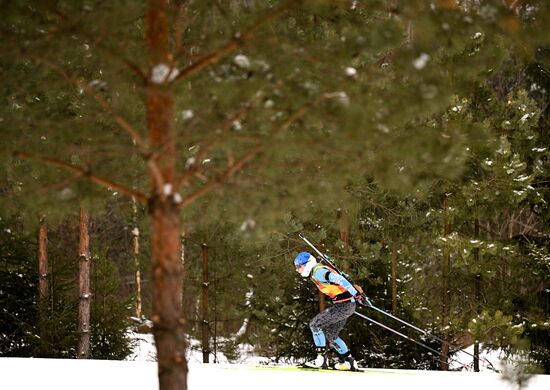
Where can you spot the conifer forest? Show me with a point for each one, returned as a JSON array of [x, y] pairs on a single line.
[[159, 160]]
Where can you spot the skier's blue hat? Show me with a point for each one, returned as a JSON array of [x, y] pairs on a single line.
[[302, 258]]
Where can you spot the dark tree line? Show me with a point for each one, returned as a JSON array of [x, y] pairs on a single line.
[[49, 327]]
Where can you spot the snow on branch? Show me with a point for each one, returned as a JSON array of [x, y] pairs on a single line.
[[238, 40]]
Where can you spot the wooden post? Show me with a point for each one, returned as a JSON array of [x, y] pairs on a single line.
[[83, 351], [43, 286], [205, 323]]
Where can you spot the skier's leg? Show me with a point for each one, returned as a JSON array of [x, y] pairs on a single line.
[[320, 321], [339, 315], [342, 312], [340, 346], [332, 331], [345, 360], [316, 326]]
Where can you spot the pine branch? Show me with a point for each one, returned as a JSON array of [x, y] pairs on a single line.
[[123, 124], [209, 144], [218, 181], [178, 29], [237, 41], [69, 19], [237, 166], [85, 173], [131, 65]]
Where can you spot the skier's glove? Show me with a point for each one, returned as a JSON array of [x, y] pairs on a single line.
[[362, 300], [368, 302]]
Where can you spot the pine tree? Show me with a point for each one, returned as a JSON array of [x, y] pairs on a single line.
[[19, 280], [211, 90]]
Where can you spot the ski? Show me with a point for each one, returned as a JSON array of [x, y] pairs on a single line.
[[301, 367], [307, 368]]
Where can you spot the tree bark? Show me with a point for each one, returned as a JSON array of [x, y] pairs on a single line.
[[43, 285], [446, 296], [137, 272], [83, 351], [477, 292], [205, 323], [322, 301], [344, 228], [168, 328], [394, 277]]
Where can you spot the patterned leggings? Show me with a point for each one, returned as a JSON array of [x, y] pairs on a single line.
[[326, 326]]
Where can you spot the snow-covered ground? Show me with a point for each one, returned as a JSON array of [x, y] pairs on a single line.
[[141, 374], [60, 374]]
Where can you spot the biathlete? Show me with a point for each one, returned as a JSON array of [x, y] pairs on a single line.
[[326, 326]]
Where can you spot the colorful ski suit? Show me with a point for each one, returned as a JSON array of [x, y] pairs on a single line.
[[326, 325]]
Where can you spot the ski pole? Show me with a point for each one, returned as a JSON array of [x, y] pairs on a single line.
[[323, 256], [426, 333], [407, 337], [397, 332]]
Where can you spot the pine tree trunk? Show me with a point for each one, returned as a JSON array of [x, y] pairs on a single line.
[[344, 228], [322, 301], [43, 287], [137, 266], [168, 327], [344, 238], [394, 277], [446, 296], [204, 301], [477, 292], [84, 288], [167, 318]]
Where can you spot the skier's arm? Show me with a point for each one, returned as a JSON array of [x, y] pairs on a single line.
[[340, 280]]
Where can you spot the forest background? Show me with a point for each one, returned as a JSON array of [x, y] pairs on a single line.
[[408, 140]]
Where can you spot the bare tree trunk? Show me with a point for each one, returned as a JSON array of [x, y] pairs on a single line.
[[344, 228], [322, 301], [394, 277], [167, 318], [168, 327], [135, 242], [43, 287], [446, 296], [344, 237], [205, 323], [84, 288], [477, 292]]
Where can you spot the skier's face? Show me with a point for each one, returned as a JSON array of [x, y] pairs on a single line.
[[300, 268]]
